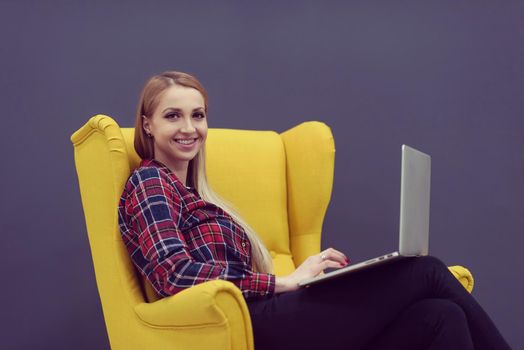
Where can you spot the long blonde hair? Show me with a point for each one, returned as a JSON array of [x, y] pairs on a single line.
[[196, 172]]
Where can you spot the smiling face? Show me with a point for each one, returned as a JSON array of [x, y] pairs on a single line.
[[178, 127]]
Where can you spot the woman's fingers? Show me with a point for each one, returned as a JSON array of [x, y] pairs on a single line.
[[333, 254], [331, 264], [340, 255]]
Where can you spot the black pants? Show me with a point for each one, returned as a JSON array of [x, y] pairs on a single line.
[[415, 303]]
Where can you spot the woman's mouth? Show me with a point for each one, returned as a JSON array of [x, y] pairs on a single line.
[[186, 141], [187, 144]]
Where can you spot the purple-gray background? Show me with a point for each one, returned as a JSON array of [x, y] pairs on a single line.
[[445, 76]]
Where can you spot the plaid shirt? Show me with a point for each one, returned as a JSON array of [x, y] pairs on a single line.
[[178, 240]]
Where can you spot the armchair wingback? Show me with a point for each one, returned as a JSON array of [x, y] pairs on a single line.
[[280, 183]]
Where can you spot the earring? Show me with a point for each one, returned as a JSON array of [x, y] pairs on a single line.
[[149, 135]]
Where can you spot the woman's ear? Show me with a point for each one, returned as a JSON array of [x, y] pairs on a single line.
[[145, 124]]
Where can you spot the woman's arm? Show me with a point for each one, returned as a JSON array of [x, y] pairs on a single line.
[[154, 209], [284, 284]]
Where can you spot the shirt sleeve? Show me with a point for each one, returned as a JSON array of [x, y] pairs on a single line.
[[156, 208]]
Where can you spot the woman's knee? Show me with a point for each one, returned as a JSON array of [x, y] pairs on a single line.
[[433, 275], [431, 263], [431, 260]]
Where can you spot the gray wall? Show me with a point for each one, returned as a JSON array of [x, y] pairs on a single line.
[[444, 76]]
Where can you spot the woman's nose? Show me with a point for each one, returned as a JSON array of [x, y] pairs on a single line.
[[188, 126]]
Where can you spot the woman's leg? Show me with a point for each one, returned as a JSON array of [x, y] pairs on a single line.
[[352, 310], [435, 324]]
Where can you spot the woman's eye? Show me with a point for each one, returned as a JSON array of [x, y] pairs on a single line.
[[199, 115], [172, 115]]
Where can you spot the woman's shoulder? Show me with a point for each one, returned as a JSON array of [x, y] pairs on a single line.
[[148, 171]]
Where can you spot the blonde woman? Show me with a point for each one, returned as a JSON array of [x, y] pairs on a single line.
[[179, 233]]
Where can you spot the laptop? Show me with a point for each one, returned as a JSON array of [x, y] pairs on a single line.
[[414, 216]]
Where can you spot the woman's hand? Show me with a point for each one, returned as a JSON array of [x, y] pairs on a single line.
[[311, 267]]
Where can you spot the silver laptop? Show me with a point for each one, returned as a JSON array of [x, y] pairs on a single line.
[[414, 215]]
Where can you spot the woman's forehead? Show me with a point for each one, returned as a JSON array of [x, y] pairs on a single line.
[[180, 97]]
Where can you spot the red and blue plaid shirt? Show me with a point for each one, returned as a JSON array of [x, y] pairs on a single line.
[[178, 240]]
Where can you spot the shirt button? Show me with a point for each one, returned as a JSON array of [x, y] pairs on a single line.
[[244, 244]]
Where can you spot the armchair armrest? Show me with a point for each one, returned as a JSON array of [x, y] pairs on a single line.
[[464, 276], [216, 304], [207, 304]]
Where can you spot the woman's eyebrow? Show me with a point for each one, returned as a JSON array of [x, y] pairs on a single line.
[[180, 110]]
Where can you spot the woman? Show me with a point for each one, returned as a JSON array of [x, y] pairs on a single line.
[[180, 233]]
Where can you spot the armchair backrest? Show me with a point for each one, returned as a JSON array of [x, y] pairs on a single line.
[[280, 183]]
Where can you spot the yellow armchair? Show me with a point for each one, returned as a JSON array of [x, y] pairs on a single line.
[[286, 177]]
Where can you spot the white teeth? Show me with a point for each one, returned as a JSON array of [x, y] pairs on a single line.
[[185, 141]]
